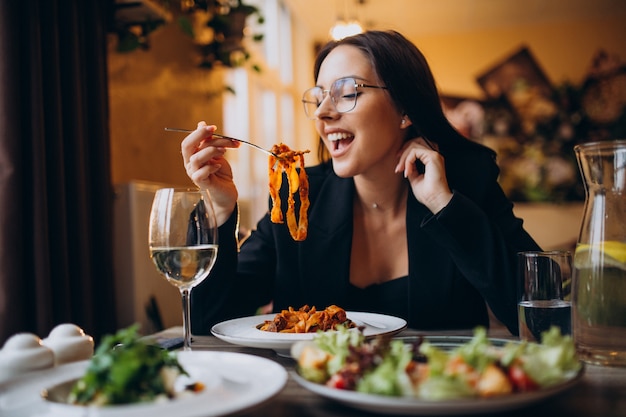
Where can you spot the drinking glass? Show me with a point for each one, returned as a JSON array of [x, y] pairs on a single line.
[[183, 242], [545, 279]]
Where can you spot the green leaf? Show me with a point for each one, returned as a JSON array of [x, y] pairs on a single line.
[[185, 25], [125, 369]]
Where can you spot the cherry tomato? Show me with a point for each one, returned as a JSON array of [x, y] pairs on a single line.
[[336, 381], [520, 379]]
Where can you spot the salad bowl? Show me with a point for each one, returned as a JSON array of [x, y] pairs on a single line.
[[412, 405]]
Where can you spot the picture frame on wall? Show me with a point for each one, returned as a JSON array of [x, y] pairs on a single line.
[[519, 81], [520, 67]]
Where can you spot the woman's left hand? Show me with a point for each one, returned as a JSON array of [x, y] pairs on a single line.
[[430, 187]]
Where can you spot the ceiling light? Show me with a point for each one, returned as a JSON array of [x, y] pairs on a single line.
[[343, 29], [345, 26]]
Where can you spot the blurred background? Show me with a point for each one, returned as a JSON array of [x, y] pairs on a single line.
[[530, 79]]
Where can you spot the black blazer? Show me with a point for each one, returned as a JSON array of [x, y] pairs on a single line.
[[459, 259]]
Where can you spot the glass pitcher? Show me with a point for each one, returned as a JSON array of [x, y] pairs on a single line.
[[599, 276]]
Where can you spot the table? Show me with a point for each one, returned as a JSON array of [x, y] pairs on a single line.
[[601, 392]]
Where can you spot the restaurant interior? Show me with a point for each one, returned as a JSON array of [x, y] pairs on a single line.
[[95, 99], [90, 86]]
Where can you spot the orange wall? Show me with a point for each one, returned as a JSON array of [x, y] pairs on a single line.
[[161, 87], [153, 89], [563, 50]]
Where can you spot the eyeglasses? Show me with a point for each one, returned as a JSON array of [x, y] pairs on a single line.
[[343, 94]]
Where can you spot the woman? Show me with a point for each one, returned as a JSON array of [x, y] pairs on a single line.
[[406, 216]]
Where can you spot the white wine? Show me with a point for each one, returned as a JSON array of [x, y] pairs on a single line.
[[537, 316], [184, 267]]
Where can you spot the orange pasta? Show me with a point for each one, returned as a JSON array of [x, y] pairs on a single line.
[[286, 162], [307, 320]]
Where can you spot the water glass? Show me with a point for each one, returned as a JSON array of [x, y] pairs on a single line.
[[545, 283]]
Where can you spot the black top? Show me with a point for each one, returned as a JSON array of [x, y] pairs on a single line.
[[459, 259], [390, 297]]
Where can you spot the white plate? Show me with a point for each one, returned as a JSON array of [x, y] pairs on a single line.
[[233, 382], [243, 331], [415, 406]]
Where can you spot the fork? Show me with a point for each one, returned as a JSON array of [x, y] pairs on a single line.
[[176, 129]]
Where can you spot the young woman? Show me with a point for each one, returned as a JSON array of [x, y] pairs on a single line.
[[406, 215]]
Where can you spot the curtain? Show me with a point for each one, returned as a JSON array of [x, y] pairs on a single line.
[[56, 197]]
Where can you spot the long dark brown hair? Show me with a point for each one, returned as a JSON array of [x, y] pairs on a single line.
[[402, 67]]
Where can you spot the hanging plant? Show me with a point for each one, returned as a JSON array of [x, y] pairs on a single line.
[[133, 22], [218, 28]]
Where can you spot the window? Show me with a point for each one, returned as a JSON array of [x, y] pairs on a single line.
[[264, 107]]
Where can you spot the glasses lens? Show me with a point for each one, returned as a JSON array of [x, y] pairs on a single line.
[[343, 93], [311, 100]]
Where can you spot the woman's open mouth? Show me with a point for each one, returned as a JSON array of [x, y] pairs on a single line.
[[338, 141]]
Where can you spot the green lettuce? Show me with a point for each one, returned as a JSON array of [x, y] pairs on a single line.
[[478, 352], [443, 387], [336, 343], [552, 361], [389, 377]]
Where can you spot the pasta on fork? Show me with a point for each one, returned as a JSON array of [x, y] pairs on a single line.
[[286, 162]]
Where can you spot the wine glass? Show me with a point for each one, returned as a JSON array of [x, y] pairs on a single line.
[[183, 242]]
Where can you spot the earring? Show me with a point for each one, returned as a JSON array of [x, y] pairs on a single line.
[[403, 121]]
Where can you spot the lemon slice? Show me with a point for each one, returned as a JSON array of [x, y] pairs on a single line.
[[608, 253]]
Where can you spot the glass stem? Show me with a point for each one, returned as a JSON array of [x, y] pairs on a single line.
[[186, 318]]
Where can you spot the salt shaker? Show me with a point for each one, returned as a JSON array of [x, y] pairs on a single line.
[[23, 353], [69, 344]]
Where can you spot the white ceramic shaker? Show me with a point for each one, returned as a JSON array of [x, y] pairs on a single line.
[[23, 353], [69, 344]]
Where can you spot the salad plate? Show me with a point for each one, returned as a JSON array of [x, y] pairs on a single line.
[[232, 382], [414, 406], [244, 331], [451, 407]]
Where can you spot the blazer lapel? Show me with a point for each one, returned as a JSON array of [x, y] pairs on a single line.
[[325, 254], [423, 260]]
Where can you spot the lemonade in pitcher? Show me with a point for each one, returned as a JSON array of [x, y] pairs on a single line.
[[599, 315], [599, 278]]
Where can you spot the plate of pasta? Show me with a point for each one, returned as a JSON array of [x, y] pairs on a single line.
[[246, 331]]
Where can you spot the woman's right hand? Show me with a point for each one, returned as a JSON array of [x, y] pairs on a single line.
[[206, 166]]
